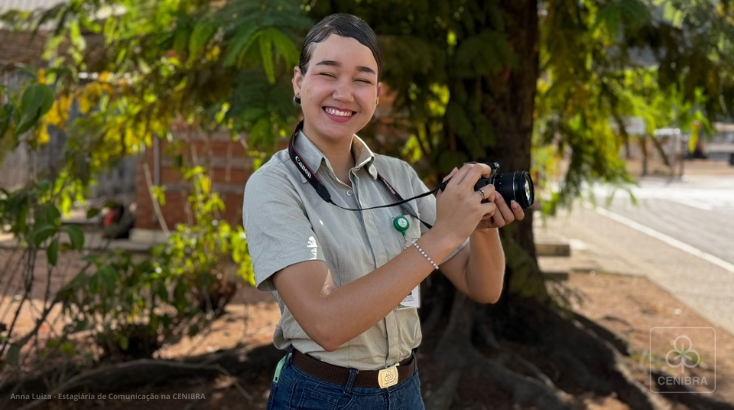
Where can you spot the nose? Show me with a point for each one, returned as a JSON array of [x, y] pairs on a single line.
[[343, 91]]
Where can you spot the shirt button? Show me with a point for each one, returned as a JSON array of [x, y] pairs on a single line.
[[349, 192]]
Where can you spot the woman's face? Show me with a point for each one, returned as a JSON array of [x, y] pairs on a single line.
[[339, 89]]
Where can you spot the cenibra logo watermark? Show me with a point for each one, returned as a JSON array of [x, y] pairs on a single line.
[[688, 362]]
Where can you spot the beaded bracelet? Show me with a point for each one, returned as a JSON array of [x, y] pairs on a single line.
[[425, 255]]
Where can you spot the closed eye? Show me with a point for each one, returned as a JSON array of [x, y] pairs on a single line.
[[361, 80], [328, 75]]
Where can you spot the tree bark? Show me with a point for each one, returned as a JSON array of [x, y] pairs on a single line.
[[643, 148], [524, 316]]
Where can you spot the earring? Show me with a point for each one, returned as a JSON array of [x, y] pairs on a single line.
[[297, 99]]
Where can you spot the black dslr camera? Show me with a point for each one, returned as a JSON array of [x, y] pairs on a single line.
[[515, 185]]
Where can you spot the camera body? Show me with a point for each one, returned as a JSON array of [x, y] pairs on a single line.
[[517, 186]]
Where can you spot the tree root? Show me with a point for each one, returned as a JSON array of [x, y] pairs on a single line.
[[630, 391], [526, 391], [605, 334], [591, 355], [456, 352], [507, 356], [443, 397], [582, 356], [126, 376]]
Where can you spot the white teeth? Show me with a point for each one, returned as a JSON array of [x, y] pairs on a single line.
[[334, 111]]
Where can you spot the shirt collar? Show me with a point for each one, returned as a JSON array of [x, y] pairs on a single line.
[[313, 156], [364, 156]]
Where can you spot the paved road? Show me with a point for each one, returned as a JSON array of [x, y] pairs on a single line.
[[680, 235], [697, 211]]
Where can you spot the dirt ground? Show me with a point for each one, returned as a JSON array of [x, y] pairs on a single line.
[[628, 306], [634, 308]]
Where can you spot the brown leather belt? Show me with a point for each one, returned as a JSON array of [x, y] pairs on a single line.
[[340, 375]]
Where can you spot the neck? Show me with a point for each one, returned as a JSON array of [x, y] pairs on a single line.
[[339, 154]]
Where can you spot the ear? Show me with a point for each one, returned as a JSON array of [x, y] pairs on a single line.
[[379, 89], [297, 80]]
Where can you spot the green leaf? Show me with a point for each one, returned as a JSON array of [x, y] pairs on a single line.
[[181, 38], [166, 320], [52, 343], [82, 325], [192, 172], [36, 101], [5, 117], [240, 43], [124, 343], [108, 274], [154, 323], [93, 284], [285, 46], [52, 253], [92, 212], [67, 348], [49, 214], [162, 292], [13, 354], [482, 54], [76, 235], [201, 35], [43, 232], [267, 59]]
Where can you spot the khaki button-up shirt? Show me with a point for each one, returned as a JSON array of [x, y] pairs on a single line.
[[286, 222]]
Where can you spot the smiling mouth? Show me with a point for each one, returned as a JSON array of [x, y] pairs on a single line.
[[339, 113]]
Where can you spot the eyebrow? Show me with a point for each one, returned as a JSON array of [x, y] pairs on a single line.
[[333, 63]]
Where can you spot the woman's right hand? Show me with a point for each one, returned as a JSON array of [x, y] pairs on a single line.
[[459, 208]]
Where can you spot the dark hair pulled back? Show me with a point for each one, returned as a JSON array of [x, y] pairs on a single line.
[[344, 25]]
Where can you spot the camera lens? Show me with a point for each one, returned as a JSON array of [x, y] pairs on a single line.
[[517, 186]]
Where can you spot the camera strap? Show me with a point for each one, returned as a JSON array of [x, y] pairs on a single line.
[[320, 188]]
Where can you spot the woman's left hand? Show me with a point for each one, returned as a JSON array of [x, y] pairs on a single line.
[[503, 215]]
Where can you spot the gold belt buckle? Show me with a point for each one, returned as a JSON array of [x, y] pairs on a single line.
[[388, 377]]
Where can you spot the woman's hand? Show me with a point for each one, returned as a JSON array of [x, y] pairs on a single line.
[[459, 209], [503, 215], [465, 204]]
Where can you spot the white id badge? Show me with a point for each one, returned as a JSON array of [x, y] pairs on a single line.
[[413, 300]]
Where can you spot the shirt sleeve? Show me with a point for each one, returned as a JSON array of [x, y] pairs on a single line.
[[279, 233], [427, 207]]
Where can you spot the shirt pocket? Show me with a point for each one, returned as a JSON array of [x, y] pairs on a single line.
[[414, 230]]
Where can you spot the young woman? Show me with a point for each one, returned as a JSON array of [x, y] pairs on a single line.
[[347, 281]]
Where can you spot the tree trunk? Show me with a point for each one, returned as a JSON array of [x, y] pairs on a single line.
[[524, 318], [520, 347], [643, 148]]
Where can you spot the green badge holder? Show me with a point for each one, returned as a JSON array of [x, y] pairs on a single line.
[[401, 224], [279, 368]]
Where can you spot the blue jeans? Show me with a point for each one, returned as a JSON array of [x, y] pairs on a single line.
[[296, 389]]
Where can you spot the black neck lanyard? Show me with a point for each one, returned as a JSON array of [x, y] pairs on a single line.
[[320, 188]]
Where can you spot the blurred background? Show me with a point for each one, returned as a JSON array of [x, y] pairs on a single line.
[[128, 130]]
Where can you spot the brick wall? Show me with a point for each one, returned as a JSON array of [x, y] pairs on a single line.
[[22, 48], [229, 168]]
